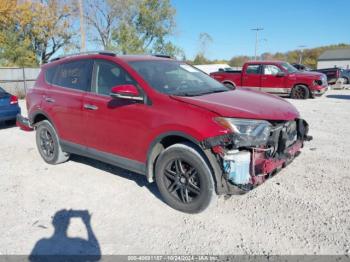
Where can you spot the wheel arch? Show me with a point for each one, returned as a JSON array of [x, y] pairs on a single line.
[[39, 116], [170, 138], [229, 82]]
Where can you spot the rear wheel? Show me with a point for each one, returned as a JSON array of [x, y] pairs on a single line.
[[48, 144], [300, 92], [184, 178], [230, 86]]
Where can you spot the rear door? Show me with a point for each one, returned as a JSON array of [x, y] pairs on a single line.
[[64, 97], [251, 77], [272, 82]]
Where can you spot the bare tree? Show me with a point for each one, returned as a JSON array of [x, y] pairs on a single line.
[[104, 17]]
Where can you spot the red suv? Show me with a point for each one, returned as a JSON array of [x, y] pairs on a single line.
[[164, 119]]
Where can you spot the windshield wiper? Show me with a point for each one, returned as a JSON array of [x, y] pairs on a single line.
[[212, 92]]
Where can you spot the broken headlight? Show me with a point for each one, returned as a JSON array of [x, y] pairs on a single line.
[[247, 132]]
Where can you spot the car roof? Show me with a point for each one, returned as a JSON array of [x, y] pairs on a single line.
[[266, 62], [101, 54]]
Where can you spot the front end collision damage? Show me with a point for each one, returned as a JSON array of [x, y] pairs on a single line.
[[284, 144]]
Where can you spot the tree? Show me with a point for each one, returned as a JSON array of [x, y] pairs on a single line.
[[200, 59], [130, 27], [35, 31], [238, 61], [204, 40], [146, 27], [103, 17]]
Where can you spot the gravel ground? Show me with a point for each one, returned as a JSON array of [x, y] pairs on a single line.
[[303, 210]]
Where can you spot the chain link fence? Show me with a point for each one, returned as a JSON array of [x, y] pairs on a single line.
[[16, 80]]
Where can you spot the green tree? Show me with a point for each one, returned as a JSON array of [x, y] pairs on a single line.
[[32, 32], [145, 29]]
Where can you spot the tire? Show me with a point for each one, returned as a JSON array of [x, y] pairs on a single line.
[[300, 92], [48, 144], [230, 86], [346, 81], [184, 179]]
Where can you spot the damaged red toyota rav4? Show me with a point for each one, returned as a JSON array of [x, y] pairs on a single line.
[[164, 119]]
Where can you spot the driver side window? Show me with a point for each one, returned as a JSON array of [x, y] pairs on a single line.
[[271, 70], [108, 75]]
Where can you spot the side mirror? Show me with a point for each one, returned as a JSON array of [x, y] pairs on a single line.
[[281, 74], [126, 92]]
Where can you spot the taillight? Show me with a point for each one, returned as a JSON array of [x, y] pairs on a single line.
[[13, 100]]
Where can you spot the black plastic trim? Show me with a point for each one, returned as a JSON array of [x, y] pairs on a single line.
[[112, 159]]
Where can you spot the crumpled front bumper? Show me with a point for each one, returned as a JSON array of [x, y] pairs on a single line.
[[284, 144], [319, 90]]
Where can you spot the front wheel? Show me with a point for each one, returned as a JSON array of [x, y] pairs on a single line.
[[184, 178], [300, 92], [48, 144]]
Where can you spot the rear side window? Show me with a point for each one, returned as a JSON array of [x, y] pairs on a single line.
[[75, 75], [253, 69], [50, 74]]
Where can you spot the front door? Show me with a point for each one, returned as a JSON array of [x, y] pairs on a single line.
[[272, 80], [115, 127]]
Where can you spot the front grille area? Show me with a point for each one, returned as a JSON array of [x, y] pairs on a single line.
[[282, 136]]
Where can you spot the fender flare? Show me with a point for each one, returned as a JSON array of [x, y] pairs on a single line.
[[156, 148]]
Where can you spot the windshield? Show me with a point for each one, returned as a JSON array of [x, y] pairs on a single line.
[[176, 78], [289, 68]]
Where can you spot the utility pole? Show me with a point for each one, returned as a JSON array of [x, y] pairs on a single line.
[[82, 27], [301, 47], [257, 39]]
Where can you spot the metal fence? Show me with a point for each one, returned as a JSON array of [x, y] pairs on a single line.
[[17, 80]]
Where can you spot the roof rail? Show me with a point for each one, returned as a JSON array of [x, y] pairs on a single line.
[[109, 53], [164, 56]]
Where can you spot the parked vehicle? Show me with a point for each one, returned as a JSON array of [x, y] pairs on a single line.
[[333, 74], [215, 67], [301, 67], [275, 77], [8, 107], [164, 119]]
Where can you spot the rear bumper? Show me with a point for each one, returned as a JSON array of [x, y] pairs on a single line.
[[9, 114], [23, 123]]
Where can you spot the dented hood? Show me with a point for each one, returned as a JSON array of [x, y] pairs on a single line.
[[243, 103]]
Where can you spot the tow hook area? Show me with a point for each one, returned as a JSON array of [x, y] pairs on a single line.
[[23, 123]]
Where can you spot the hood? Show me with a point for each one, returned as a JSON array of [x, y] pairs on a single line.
[[314, 75], [243, 103]]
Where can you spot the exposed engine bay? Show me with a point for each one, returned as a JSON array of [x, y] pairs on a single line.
[[247, 163]]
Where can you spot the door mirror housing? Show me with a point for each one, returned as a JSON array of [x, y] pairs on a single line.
[[281, 74], [129, 92]]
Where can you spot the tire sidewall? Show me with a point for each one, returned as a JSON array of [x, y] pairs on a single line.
[[47, 125], [194, 158]]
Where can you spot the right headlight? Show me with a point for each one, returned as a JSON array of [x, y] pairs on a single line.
[[247, 132]]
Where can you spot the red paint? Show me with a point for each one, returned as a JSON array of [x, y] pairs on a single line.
[[128, 90], [128, 128]]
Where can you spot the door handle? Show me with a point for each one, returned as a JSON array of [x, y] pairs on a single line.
[[49, 100], [90, 107]]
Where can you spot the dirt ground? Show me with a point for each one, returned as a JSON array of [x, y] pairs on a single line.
[[303, 210]]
